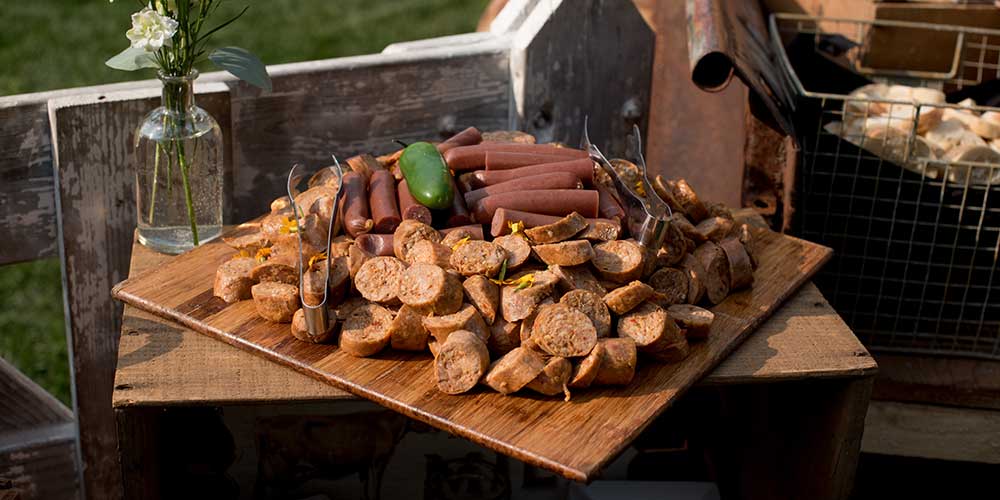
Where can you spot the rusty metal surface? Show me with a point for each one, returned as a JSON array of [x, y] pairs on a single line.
[[727, 37]]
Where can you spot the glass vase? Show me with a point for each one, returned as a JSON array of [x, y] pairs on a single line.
[[179, 171]]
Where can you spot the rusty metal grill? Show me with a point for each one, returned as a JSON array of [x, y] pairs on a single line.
[[916, 237]]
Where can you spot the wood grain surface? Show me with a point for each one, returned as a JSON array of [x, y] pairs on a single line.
[[542, 431]]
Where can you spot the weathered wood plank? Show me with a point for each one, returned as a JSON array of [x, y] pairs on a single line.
[[926, 431], [24, 404], [357, 105], [971, 383], [571, 60], [41, 462], [93, 153]]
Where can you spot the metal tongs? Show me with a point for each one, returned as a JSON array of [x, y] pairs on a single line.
[[647, 216], [317, 316]]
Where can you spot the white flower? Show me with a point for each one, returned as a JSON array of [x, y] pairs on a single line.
[[151, 30]]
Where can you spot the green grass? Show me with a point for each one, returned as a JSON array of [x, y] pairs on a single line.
[[53, 44]]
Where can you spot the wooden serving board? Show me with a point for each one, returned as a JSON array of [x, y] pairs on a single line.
[[575, 439]]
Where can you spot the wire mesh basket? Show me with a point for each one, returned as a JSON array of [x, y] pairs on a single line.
[[911, 210]]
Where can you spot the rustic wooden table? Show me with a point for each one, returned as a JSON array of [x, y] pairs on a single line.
[[781, 417]]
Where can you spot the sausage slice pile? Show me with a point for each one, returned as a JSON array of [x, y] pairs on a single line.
[[553, 297]]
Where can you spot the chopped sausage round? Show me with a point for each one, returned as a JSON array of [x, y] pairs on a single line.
[[620, 261], [504, 337], [484, 295], [593, 306], [429, 288], [409, 232], [518, 249], [428, 252], [697, 322], [695, 273], [301, 331], [366, 330], [378, 279], [553, 378], [407, 332], [716, 278], [740, 265], [671, 286], [234, 278], [514, 370], [467, 318], [560, 230], [618, 363], [275, 301], [577, 278], [566, 253], [561, 330], [460, 362], [478, 257], [624, 299], [652, 329], [586, 370]]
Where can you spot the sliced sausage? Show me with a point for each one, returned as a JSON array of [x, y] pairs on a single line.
[[514, 370], [409, 232], [671, 286], [653, 330], [453, 234], [586, 370], [695, 273], [234, 278], [695, 321], [478, 257], [460, 362], [681, 222], [504, 218], [383, 202], [375, 244], [468, 137], [593, 306], [553, 378], [601, 230], [617, 365], [428, 252], [504, 337], [560, 230], [248, 241], [274, 301], [508, 136], [301, 331], [427, 287], [484, 295], [318, 201], [467, 318], [344, 309], [339, 246], [517, 247], [688, 199], [325, 176], [275, 270], [548, 180], [740, 266], [314, 283], [608, 206], [519, 303], [577, 278], [566, 253], [354, 205], [409, 207], [378, 279], [356, 257], [582, 168], [505, 160], [714, 228], [674, 247], [716, 278], [624, 299], [366, 330], [407, 332], [474, 157], [620, 261], [543, 201], [459, 214], [719, 210], [561, 330]]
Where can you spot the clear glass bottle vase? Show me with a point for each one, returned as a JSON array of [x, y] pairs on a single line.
[[179, 171]]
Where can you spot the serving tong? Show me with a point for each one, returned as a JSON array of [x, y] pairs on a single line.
[[647, 217], [317, 316]]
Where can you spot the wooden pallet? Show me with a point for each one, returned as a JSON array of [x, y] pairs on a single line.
[[573, 438]]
